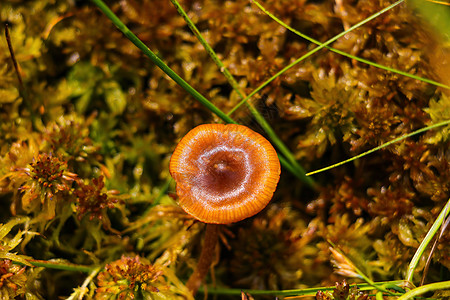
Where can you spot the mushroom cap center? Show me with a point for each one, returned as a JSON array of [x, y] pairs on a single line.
[[223, 172]]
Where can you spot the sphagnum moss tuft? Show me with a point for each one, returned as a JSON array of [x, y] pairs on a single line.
[[127, 277]]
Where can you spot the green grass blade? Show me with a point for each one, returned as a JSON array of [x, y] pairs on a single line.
[[300, 172], [425, 289], [157, 61], [380, 147], [365, 61], [234, 84], [312, 51], [290, 159], [423, 245], [296, 292], [297, 171]]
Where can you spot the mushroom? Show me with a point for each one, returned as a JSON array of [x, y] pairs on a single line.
[[224, 174]]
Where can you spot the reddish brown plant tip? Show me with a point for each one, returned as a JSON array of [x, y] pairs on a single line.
[[224, 173]]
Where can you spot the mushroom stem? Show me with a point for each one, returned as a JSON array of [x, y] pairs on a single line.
[[205, 260]]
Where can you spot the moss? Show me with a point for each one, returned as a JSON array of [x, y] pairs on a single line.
[[85, 142]]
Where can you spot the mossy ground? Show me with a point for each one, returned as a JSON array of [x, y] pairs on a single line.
[[85, 144]]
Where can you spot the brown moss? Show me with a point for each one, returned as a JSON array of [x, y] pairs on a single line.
[[273, 252]]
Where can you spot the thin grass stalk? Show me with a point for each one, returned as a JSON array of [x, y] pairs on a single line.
[[256, 114], [223, 69], [362, 60], [425, 289], [283, 149], [424, 244], [37, 124], [433, 248], [155, 59], [298, 292], [380, 147], [303, 57]]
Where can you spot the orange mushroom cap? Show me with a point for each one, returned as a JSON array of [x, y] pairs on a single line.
[[224, 173]]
